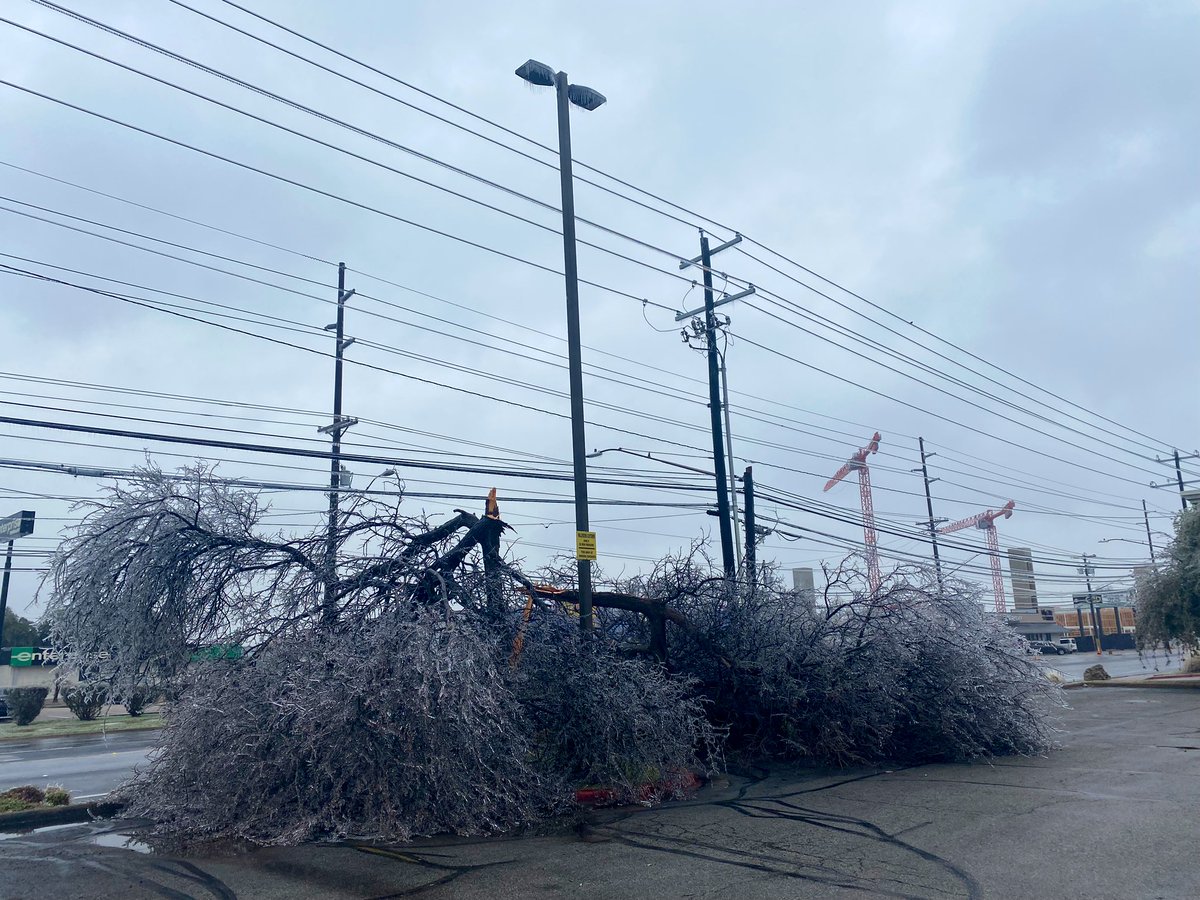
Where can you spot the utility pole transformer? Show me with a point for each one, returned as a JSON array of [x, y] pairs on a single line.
[[335, 431]]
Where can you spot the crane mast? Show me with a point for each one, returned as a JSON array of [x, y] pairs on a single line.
[[986, 522], [858, 463]]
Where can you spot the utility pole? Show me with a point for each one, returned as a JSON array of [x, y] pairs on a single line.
[[751, 533], [1149, 539], [937, 562], [737, 537], [729, 456], [1087, 575], [709, 327], [1179, 481], [714, 407], [335, 431]]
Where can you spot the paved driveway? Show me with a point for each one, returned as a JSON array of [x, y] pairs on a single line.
[[1111, 815]]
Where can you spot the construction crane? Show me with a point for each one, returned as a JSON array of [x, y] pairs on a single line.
[[858, 462], [986, 521]]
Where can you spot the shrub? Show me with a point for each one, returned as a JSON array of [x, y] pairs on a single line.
[[24, 703], [913, 673], [57, 796], [609, 720], [399, 727], [137, 699], [1191, 666], [25, 794], [85, 700], [12, 804]]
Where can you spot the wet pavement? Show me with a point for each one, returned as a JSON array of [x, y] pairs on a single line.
[[1109, 815]]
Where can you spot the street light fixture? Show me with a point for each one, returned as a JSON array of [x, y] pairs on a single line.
[[539, 73], [642, 454]]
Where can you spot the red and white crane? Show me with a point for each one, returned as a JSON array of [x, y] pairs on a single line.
[[858, 462], [986, 521]]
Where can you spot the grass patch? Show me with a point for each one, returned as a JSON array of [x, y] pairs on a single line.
[[65, 727]]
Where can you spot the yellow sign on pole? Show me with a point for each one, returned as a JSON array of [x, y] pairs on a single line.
[[585, 545]]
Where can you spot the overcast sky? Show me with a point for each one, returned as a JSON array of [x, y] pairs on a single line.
[[1017, 179]]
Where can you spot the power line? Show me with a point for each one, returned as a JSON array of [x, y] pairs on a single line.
[[642, 191]]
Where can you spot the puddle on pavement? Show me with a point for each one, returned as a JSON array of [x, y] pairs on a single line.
[[100, 839], [25, 832], [120, 841]]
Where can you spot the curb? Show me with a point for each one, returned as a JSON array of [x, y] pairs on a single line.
[[1192, 685], [72, 814], [5, 738]]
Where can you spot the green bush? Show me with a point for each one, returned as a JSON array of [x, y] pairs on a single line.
[[26, 794], [57, 796], [137, 700], [12, 804], [24, 703], [85, 700]]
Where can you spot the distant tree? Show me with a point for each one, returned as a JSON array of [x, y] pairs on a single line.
[[20, 632], [1168, 599]]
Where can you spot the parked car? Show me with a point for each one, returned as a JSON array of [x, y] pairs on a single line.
[[1068, 645], [1046, 648]]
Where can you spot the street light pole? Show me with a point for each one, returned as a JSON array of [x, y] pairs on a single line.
[[574, 353], [586, 98]]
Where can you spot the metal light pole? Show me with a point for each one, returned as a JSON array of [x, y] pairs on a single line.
[[11, 527], [541, 74]]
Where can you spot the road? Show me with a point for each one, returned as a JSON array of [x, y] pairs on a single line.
[[88, 766], [1118, 664], [1109, 815]]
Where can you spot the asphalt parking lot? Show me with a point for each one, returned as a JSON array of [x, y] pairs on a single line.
[[1109, 815]]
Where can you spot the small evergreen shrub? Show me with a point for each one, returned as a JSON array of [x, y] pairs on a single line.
[[137, 700], [24, 703], [85, 700], [25, 794]]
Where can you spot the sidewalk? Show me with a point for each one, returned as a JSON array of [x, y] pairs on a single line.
[[55, 720], [52, 712]]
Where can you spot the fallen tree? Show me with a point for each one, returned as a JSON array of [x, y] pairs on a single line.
[[417, 682]]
